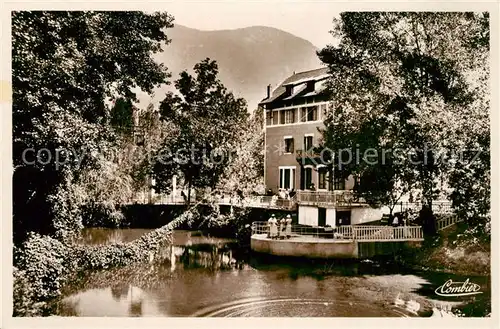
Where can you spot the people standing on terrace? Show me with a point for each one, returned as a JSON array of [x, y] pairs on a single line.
[[395, 221], [269, 224], [288, 228], [282, 224], [273, 229], [274, 200], [282, 194]]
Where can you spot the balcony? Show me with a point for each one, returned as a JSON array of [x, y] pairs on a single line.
[[340, 198], [307, 153]]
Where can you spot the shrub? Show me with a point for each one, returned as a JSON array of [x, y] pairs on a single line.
[[40, 272], [44, 264], [102, 214]]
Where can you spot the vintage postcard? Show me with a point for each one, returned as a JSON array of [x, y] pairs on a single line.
[[249, 159]]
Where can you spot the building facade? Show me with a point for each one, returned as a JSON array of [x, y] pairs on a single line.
[[294, 113]]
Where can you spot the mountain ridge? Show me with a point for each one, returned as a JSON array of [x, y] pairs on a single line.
[[249, 58]]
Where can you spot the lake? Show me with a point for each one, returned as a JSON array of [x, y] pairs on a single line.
[[216, 277]]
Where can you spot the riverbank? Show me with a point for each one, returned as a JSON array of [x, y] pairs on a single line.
[[454, 250]]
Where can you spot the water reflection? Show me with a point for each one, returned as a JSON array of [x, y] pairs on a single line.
[[206, 276], [128, 301], [99, 236]]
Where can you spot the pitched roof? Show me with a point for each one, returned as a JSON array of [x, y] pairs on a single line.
[[295, 79]]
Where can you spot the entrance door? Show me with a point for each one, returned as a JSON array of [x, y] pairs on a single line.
[[343, 218], [321, 216]]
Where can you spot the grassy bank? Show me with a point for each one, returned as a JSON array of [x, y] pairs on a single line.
[[458, 250]]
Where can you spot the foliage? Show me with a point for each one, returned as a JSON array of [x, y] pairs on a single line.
[[122, 116], [420, 83], [460, 249], [244, 174], [102, 214], [152, 133], [45, 264], [41, 264], [209, 120], [65, 68]]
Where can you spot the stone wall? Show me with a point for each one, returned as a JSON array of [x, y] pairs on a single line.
[[294, 248]]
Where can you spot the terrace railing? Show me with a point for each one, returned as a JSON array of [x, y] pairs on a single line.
[[387, 233], [269, 202], [349, 232], [446, 221], [438, 207]]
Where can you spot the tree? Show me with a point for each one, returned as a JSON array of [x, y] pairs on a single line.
[[151, 133], [420, 81], [66, 66], [244, 175], [122, 116], [209, 120]]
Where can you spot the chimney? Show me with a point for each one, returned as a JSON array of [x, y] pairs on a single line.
[[268, 91]]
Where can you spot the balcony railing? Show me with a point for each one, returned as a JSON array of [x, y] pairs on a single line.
[[307, 153], [337, 198]]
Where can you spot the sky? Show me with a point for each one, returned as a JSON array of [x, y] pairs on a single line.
[[309, 20]]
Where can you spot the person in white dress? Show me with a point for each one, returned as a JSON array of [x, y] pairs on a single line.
[[288, 228], [273, 229], [269, 224], [281, 193], [281, 228]]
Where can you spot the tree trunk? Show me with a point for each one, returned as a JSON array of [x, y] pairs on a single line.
[[189, 193], [391, 209]]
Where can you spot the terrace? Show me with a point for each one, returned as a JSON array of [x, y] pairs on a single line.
[[359, 233]]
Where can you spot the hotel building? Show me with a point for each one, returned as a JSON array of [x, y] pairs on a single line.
[[293, 113]]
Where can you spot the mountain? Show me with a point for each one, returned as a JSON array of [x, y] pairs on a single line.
[[249, 58]]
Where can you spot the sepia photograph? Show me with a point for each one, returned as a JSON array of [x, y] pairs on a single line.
[[253, 159]]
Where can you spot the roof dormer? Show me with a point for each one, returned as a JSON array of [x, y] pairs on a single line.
[[310, 85]]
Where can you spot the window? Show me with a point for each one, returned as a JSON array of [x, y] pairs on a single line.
[[287, 177], [338, 183], [310, 85], [312, 113], [322, 178], [308, 143], [309, 113], [288, 144], [308, 177], [275, 117], [269, 118], [289, 116]]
